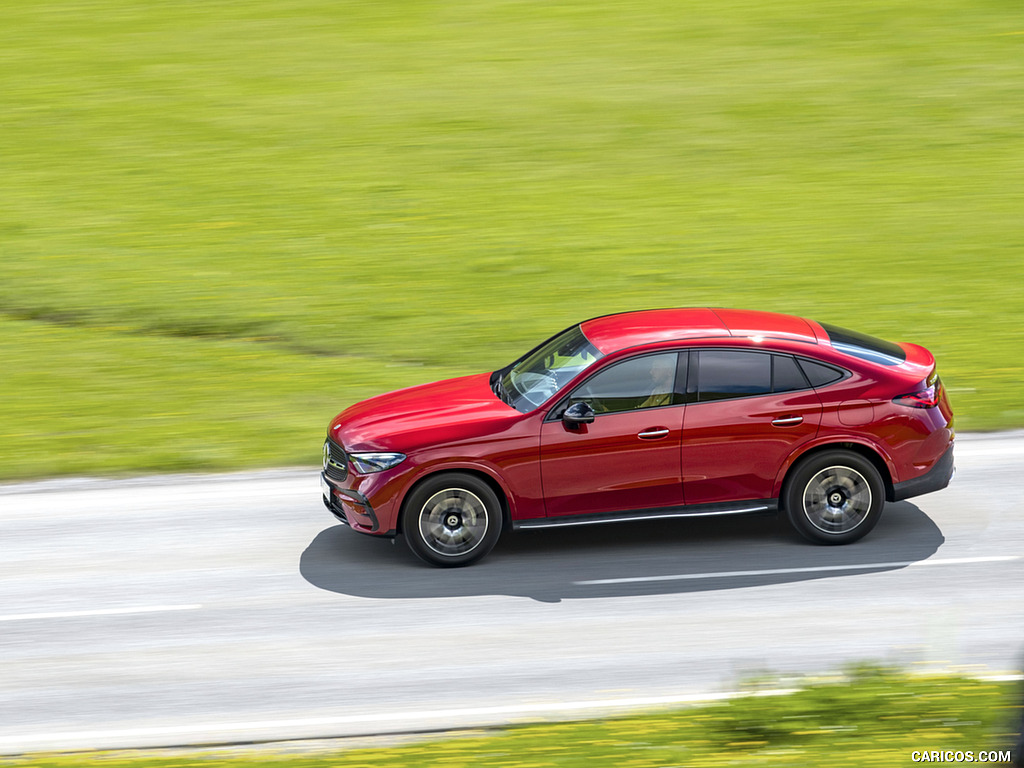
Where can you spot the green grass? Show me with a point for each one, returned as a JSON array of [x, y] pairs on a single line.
[[220, 223], [877, 719]]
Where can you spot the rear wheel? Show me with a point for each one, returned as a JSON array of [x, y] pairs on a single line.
[[834, 497], [451, 520]]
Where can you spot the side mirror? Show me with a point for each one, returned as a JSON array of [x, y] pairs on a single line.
[[576, 414]]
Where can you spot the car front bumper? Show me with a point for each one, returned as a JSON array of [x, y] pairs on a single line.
[[350, 508]]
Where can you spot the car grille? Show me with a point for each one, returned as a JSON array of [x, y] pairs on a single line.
[[335, 461]]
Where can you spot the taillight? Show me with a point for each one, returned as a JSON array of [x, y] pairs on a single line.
[[922, 398]]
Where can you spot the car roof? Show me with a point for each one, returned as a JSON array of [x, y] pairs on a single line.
[[611, 333]]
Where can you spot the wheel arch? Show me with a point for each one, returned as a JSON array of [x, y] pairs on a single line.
[[866, 451], [490, 480]]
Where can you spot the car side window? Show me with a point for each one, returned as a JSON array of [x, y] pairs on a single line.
[[786, 374], [647, 381], [820, 374], [723, 374]]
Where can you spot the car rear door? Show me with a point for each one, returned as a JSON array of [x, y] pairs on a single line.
[[752, 410]]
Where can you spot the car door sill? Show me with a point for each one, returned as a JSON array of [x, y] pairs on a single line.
[[693, 510]]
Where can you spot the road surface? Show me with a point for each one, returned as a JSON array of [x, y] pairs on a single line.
[[232, 608]]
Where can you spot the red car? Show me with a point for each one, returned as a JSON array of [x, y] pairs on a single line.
[[652, 414]]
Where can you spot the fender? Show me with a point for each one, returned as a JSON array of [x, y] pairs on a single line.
[[477, 466], [833, 440]]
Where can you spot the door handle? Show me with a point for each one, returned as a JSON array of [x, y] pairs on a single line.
[[787, 421], [653, 433]]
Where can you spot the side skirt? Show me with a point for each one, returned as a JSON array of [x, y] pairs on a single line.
[[757, 506]]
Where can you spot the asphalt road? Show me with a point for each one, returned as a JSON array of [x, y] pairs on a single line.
[[222, 609]]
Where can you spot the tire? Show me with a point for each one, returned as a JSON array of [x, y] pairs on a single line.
[[451, 520], [834, 497]]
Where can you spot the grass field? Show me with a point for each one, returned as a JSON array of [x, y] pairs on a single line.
[[877, 719], [222, 222]]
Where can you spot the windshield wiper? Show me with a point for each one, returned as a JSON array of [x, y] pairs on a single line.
[[499, 390]]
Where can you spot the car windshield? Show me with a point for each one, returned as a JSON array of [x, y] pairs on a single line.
[[863, 346], [541, 373]]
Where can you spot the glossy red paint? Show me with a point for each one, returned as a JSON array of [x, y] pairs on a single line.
[[450, 411], [612, 333], [608, 467], [457, 424], [689, 455], [751, 323], [732, 449]]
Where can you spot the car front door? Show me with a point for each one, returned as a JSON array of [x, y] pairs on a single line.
[[628, 458], [752, 410]]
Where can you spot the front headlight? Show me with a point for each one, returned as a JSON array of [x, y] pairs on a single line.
[[375, 462]]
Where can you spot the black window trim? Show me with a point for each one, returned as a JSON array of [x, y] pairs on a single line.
[[696, 383], [807, 382], [555, 414], [844, 373], [693, 374], [691, 390]]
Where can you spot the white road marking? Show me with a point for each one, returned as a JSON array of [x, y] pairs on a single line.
[[418, 718], [815, 569], [392, 722], [99, 612]]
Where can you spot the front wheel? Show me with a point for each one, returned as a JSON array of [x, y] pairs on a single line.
[[834, 497], [451, 520]]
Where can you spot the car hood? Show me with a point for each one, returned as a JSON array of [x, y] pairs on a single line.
[[441, 412]]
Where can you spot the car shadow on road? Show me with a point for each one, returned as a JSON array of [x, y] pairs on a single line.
[[645, 558]]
